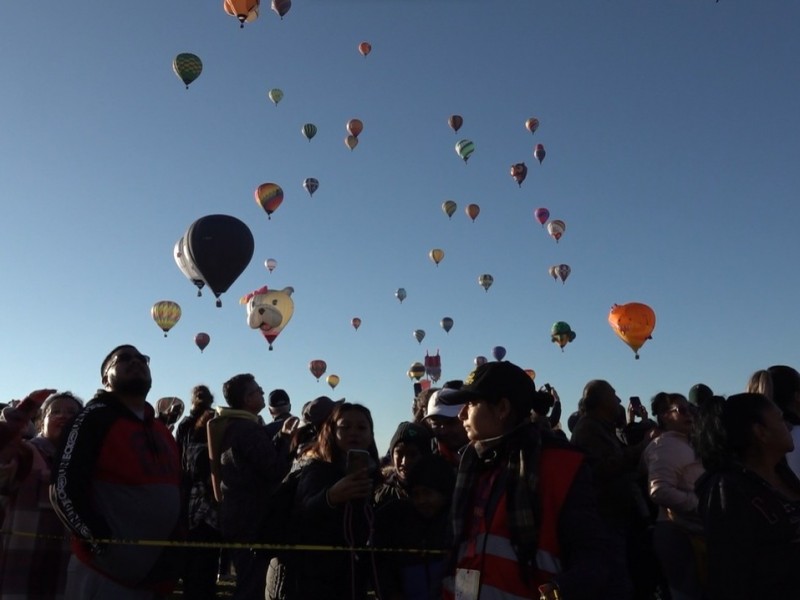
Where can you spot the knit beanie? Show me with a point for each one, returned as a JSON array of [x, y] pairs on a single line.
[[412, 433]]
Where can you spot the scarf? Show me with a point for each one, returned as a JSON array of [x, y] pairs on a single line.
[[516, 456]]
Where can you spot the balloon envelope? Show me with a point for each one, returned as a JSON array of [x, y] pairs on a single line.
[[355, 322], [202, 340], [436, 255], [447, 324], [498, 352], [449, 207], [365, 48], [244, 10], [416, 371], [480, 360], [188, 67], [400, 294], [309, 130], [332, 380], [166, 314], [541, 215], [351, 141], [269, 196], [563, 272], [633, 323], [276, 95], [311, 185], [530, 373], [270, 263], [455, 122], [220, 247], [186, 266], [532, 124], [419, 335], [281, 7], [472, 210], [486, 281], [553, 272], [556, 229], [519, 172], [317, 368], [539, 153], [465, 148], [561, 334], [354, 127]]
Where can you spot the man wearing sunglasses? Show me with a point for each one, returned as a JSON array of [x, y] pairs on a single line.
[[117, 479]]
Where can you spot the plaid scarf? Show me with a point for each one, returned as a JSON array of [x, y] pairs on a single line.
[[516, 457]]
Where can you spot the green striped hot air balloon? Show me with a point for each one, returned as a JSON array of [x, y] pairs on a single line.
[[188, 67], [309, 130], [465, 148], [275, 95]]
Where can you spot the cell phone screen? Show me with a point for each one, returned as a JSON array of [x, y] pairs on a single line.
[[357, 460]]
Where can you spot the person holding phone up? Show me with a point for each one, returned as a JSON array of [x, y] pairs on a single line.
[[333, 509]]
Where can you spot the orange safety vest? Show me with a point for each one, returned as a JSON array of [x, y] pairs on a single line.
[[490, 550]]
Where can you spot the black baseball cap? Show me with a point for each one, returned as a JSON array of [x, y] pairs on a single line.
[[495, 380]]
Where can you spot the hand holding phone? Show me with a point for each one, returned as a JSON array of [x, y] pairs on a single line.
[[357, 460]]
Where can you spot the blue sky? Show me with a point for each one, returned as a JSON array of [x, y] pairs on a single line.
[[671, 132]]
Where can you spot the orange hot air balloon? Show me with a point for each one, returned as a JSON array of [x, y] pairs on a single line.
[[269, 197], [244, 10], [473, 210], [633, 323], [317, 368], [365, 48], [354, 127]]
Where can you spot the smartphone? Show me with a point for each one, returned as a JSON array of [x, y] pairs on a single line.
[[548, 387], [636, 401], [357, 460]]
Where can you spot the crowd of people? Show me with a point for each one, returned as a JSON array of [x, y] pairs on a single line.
[[480, 495]]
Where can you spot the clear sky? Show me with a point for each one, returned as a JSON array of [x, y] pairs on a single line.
[[671, 131]]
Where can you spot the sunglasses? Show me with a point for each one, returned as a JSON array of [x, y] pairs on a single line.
[[684, 411]]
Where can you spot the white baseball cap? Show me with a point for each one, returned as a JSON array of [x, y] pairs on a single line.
[[436, 408]]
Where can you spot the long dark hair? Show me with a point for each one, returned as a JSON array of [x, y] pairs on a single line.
[[724, 428], [326, 447]]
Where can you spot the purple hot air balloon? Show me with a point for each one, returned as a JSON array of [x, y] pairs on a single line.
[[498, 352], [542, 215]]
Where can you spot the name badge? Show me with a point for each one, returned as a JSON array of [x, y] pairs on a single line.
[[468, 583]]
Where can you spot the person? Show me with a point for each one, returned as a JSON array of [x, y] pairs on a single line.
[[169, 410], [672, 471], [36, 567], [419, 522], [333, 508], [749, 500], [201, 400], [620, 497], [419, 406], [524, 516], [450, 439], [280, 409], [201, 509], [247, 465], [781, 384], [118, 478], [410, 443]]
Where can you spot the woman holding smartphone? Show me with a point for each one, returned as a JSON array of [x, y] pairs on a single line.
[[333, 508]]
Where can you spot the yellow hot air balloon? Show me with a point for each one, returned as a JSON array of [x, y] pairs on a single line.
[[416, 371], [437, 254], [166, 313], [333, 381], [633, 323], [449, 208]]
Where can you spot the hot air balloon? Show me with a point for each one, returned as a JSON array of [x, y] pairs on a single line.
[[186, 266], [433, 366], [276, 95], [519, 172], [473, 210], [244, 10], [416, 371], [436, 255], [447, 324], [556, 229], [633, 323], [269, 197], [202, 340], [351, 141], [166, 313], [486, 281], [480, 360], [553, 272], [464, 149], [355, 322], [531, 373], [400, 294], [364, 48], [419, 335], [281, 7], [269, 310], [188, 67], [354, 127], [309, 131], [220, 248], [561, 334], [532, 124], [317, 368], [563, 272], [498, 352], [332, 380], [539, 152], [311, 185], [541, 215], [455, 122], [270, 263], [449, 207]]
